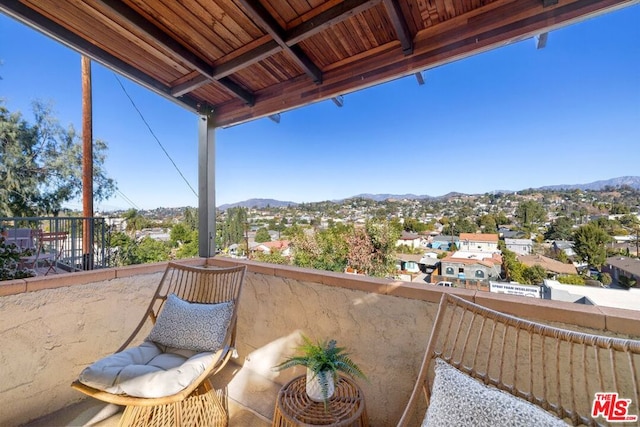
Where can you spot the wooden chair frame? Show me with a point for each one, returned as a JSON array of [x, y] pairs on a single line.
[[197, 285], [556, 369]]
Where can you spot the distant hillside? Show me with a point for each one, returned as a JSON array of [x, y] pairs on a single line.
[[631, 181], [383, 197], [257, 203]]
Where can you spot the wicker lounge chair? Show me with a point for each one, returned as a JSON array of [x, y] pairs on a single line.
[[550, 370], [189, 305]]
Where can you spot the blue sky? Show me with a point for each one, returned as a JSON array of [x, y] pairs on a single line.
[[508, 119]]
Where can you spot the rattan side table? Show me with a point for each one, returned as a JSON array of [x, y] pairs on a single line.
[[345, 408]]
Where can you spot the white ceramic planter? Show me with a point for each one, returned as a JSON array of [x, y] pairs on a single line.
[[314, 390]]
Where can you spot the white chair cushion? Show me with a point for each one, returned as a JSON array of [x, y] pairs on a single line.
[[147, 371], [459, 400], [192, 326]]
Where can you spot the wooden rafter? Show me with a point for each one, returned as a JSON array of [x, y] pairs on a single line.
[[261, 15], [56, 31], [214, 42], [324, 20], [318, 23], [128, 14], [400, 25], [431, 49]]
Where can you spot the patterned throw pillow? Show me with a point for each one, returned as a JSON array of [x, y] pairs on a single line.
[[459, 400], [191, 326]]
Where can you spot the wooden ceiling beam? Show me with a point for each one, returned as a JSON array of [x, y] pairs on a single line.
[[301, 32], [228, 68], [268, 23], [50, 28], [433, 48], [326, 19], [400, 26], [128, 14]]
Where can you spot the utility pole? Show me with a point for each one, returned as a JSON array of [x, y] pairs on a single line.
[[87, 166]]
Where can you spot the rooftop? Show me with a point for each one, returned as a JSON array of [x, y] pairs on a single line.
[[479, 237]]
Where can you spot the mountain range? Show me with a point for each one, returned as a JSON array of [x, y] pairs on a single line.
[[630, 181]]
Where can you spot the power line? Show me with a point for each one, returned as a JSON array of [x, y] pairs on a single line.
[[154, 136], [126, 199]]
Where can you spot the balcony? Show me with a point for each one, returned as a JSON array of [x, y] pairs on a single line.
[[51, 327], [73, 257]]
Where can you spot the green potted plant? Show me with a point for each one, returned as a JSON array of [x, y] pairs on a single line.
[[323, 360]]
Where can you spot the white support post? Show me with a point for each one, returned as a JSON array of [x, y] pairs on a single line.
[[206, 186]]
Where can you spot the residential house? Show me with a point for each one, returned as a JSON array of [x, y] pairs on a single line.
[[443, 242], [519, 246], [622, 266], [465, 265], [426, 263], [412, 240], [479, 242], [552, 266], [267, 247], [507, 233], [564, 246], [588, 295]]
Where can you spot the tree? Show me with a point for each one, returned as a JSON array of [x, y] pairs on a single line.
[[513, 269], [627, 282], [121, 249], [322, 250], [262, 235], [619, 208], [150, 250], [273, 257], [180, 234], [530, 213], [41, 164], [233, 228], [488, 223], [383, 237], [360, 256], [534, 275], [605, 278], [191, 218], [190, 248], [135, 221], [413, 225], [590, 244], [560, 229]]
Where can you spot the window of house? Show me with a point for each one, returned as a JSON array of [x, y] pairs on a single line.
[[449, 270], [480, 274], [461, 270]]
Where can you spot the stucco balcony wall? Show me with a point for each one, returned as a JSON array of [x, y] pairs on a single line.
[[51, 328]]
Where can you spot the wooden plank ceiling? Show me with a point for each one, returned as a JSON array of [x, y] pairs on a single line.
[[244, 59]]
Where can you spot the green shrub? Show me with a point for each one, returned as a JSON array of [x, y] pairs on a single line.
[[571, 279], [10, 262]]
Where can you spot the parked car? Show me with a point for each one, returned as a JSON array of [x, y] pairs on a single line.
[[446, 284]]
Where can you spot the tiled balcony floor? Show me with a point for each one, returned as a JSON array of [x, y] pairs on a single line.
[[251, 406]]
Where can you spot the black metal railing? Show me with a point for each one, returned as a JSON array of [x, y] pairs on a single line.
[[82, 246]]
